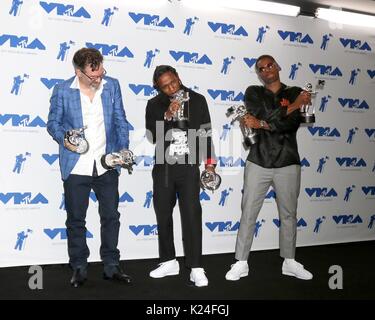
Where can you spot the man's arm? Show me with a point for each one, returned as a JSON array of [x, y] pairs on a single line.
[[121, 124], [205, 140], [54, 124]]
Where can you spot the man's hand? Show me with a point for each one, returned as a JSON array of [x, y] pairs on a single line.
[[69, 146], [303, 99], [210, 168], [250, 121], [172, 109]]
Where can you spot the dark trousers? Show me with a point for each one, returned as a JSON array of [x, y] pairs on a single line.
[[77, 191], [184, 180]]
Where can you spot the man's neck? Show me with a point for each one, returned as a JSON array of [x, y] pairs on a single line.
[[274, 86]]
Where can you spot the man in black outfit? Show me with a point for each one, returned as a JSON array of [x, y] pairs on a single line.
[[180, 148]]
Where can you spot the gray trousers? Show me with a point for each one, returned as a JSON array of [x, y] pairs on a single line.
[[286, 183]]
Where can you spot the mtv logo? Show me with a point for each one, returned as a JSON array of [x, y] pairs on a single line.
[[369, 190], [351, 162], [50, 83], [111, 50], [61, 234], [22, 42], [147, 230], [325, 70], [250, 62], [301, 223], [355, 44], [324, 131], [353, 103], [370, 133], [230, 29], [295, 36], [204, 196], [371, 73], [151, 20], [146, 90], [321, 192], [64, 10], [126, 197], [190, 57], [22, 198], [305, 163], [225, 95], [21, 120], [347, 219], [222, 226]]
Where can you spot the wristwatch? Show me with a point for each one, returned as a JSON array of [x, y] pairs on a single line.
[[262, 123]]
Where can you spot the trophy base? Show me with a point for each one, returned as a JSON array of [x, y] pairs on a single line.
[[307, 118], [181, 124], [249, 141]]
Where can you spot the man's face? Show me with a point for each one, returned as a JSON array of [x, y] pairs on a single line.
[[91, 78], [169, 83], [268, 70]]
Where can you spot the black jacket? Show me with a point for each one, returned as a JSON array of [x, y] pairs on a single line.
[[276, 147], [199, 120]]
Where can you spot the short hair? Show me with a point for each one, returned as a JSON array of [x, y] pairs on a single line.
[[159, 71], [87, 57], [264, 56]]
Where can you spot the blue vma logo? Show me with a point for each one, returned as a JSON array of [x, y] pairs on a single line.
[[351, 162], [60, 234], [327, 70], [225, 95], [355, 44], [351, 104], [24, 120], [50, 83], [18, 198], [190, 57], [223, 226], [250, 62], [345, 219], [146, 161], [324, 132], [204, 196], [298, 37], [111, 50], [271, 195], [61, 9], [225, 162], [126, 197], [144, 229], [227, 29], [50, 158], [371, 73], [368, 190], [318, 192], [301, 223], [370, 133], [305, 163], [144, 89], [151, 20], [22, 42]]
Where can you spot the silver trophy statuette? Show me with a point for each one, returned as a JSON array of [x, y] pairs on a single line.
[[181, 117], [250, 135], [76, 137], [308, 110], [124, 158], [210, 180]]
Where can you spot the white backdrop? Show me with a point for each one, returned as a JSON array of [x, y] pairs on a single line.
[[214, 56]]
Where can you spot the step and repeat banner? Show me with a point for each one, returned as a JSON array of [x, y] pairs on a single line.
[[214, 51]]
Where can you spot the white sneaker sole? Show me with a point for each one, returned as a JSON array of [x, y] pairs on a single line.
[[172, 273], [200, 285], [286, 273], [243, 274]]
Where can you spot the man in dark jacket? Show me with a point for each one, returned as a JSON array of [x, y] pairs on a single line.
[[273, 110], [178, 122]]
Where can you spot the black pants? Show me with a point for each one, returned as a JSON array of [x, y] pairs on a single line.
[[184, 180], [77, 191]]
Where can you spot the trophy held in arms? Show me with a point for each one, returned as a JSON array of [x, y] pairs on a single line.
[[181, 117], [250, 135], [308, 110], [124, 158], [76, 137], [210, 180]]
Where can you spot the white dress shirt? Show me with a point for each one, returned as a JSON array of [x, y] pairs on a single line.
[[93, 118]]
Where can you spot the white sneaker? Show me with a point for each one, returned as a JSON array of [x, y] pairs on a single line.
[[197, 275], [237, 270], [168, 268], [292, 268]]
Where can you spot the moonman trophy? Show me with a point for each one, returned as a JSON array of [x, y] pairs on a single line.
[[124, 158], [308, 110], [210, 180], [76, 137], [250, 135], [181, 117]]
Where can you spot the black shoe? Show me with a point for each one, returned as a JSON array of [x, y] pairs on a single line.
[[78, 279], [118, 276]]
